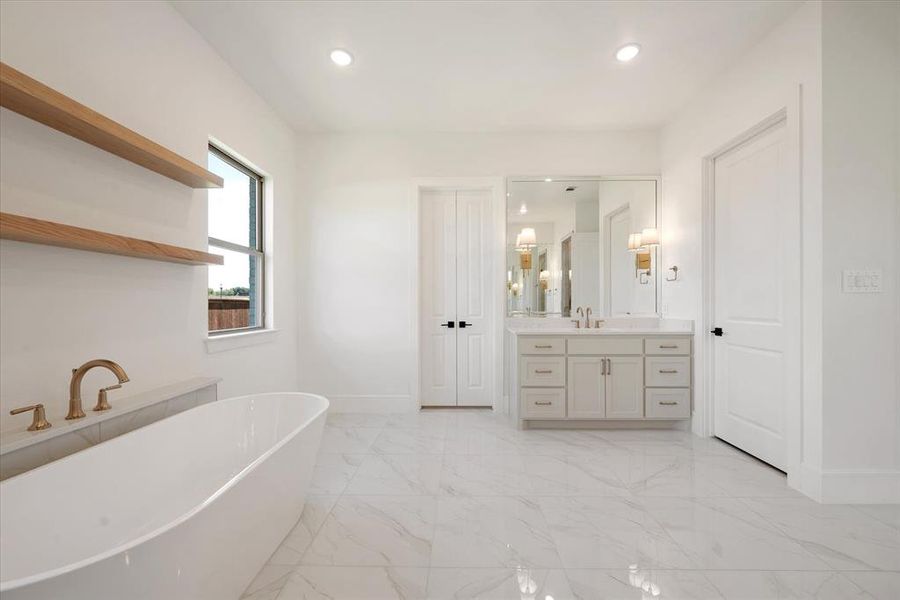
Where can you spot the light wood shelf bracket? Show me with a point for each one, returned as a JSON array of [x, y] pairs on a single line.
[[36, 231], [33, 99]]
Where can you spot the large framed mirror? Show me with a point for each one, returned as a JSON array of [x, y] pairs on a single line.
[[582, 242]]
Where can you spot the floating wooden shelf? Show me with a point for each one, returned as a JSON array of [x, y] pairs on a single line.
[[29, 97], [36, 231]]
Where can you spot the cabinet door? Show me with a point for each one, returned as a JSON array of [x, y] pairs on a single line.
[[586, 388], [625, 387]]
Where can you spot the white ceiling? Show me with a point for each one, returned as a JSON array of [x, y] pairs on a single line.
[[546, 201], [480, 66]]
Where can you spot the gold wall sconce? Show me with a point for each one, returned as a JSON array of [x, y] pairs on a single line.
[[525, 260], [641, 244], [544, 279], [525, 241]]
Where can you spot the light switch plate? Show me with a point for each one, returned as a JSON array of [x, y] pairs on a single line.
[[866, 281]]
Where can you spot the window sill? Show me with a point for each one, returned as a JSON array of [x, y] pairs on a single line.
[[231, 341]]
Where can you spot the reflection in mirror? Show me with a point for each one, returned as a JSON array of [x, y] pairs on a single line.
[[568, 246], [629, 272]]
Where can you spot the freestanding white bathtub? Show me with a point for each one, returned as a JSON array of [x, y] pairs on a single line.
[[186, 508]]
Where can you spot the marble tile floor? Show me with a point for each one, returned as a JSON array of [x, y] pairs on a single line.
[[460, 504]]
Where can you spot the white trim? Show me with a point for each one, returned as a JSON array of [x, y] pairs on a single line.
[[703, 422], [374, 404], [241, 339], [851, 486], [497, 187], [808, 480]]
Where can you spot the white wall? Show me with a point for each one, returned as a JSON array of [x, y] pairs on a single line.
[[843, 61], [142, 65], [861, 107], [356, 300], [766, 80]]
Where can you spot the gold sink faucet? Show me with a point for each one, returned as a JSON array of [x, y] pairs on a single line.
[[75, 409]]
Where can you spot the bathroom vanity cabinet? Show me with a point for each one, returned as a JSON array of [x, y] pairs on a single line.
[[596, 375]]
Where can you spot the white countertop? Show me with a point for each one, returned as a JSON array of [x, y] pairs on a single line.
[[612, 326], [14, 439]]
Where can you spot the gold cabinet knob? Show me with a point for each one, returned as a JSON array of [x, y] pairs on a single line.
[[39, 421]]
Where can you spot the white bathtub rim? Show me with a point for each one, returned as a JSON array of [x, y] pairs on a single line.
[[13, 584]]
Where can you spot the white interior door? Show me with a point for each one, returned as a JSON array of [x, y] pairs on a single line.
[[756, 227], [473, 311], [437, 328]]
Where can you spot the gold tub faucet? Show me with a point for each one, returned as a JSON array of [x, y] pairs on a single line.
[[75, 409], [39, 418]]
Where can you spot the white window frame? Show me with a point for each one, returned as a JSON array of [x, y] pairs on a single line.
[[258, 251]]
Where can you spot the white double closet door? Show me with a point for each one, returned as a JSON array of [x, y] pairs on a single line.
[[455, 339]]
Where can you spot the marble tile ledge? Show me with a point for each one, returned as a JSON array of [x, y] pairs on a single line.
[[12, 439]]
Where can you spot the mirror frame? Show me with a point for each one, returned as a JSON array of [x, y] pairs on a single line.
[[657, 179]]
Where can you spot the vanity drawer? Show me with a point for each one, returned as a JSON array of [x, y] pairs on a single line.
[[544, 371], [667, 403], [606, 345], [665, 371], [544, 403], [542, 346], [667, 346]]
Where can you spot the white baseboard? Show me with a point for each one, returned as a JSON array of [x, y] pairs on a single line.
[[808, 481], [369, 404], [850, 486]]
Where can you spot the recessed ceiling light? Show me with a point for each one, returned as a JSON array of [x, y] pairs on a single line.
[[341, 58], [627, 52], [548, 180]]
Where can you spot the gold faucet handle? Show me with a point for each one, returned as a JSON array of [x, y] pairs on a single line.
[[39, 421], [102, 401]]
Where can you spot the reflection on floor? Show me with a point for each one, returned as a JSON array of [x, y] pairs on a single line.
[[460, 504]]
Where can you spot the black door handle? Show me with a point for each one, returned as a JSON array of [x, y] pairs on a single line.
[[717, 332], [463, 324], [449, 324]]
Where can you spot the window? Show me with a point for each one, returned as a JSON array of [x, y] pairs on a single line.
[[235, 296]]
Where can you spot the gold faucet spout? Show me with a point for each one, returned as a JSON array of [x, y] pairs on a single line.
[[75, 409]]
